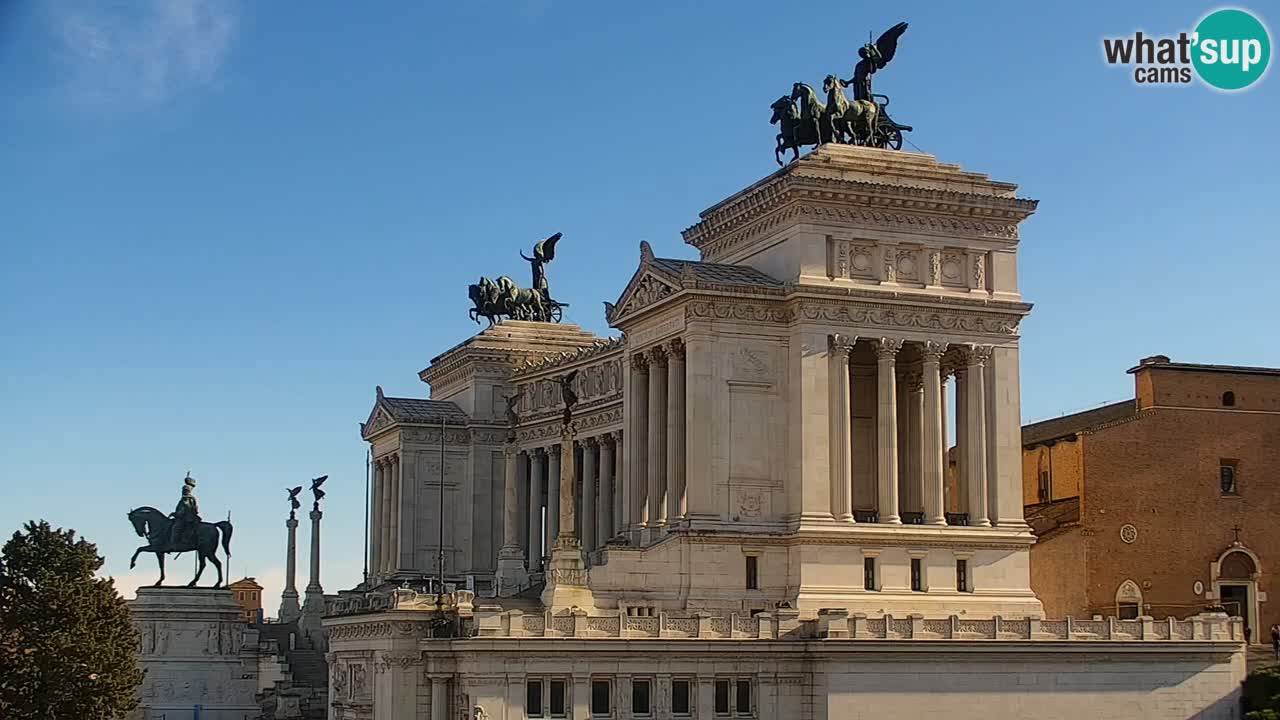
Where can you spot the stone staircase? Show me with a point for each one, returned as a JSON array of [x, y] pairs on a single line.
[[307, 674]]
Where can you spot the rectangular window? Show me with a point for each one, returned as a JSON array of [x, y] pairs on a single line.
[[533, 698], [1046, 491], [742, 698], [962, 575], [753, 577], [680, 697], [1227, 477], [639, 697], [869, 573], [599, 697], [557, 698], [722, 697], [917, 575], [1128, 611]]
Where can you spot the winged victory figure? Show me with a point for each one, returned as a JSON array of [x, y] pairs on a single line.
[[543, 253], [315, 489], [293, 499], [874, 57]]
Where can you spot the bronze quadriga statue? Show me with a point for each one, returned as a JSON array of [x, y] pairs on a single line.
[[503, 298]]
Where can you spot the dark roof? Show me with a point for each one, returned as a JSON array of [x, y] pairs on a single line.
[[1077, 422], [717, 273], [424, 412], [1049, 516]]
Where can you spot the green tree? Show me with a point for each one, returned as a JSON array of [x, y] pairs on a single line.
[[67, 648]]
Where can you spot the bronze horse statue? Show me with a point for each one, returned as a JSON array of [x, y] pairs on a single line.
[[855, 119], [494, 300], [155, 526]]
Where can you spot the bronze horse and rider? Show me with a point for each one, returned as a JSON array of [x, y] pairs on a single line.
[[803, 119], [503, 298], [179, 532]]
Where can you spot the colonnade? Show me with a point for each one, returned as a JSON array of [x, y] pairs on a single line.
[[384, 516], [911, 433], [531, 519]]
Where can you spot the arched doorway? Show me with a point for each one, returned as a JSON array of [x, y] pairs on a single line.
[[1128, 601], [1235, 580]]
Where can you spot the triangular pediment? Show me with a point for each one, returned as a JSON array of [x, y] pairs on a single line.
[[380, 417], [648, 286]]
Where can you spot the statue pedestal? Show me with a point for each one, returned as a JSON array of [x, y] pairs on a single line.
[[511, 575], [567, 585], [190, 640]]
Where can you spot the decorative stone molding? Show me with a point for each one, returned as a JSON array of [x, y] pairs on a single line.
[[897, 317], [735, 309]]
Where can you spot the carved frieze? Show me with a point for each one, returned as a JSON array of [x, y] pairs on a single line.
[[729, 309], [910, 318]]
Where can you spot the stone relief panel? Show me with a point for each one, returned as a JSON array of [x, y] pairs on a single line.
[[753, 365], [908, 265], [851, 259], [953, 273]]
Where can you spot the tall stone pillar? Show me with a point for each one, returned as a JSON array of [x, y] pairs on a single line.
[[976, 357], [289, 609], [589, 494], [944, 417], [637, 445], [397, 504], [887, 429], [655, 502], [931, 358], [537, 461], [1004, 430], [510, 572], [556, 495], [375, 522], [962, 440], [677, 497], [841, 444], [605, 528], [313, 604], [566, 584]]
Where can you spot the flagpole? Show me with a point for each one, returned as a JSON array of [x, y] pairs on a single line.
[[367, 490]]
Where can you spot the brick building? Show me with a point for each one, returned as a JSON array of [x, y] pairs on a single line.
[[1161, 505], [248, 594]]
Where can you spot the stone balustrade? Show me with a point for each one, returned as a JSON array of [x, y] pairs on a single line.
[[836, 624]]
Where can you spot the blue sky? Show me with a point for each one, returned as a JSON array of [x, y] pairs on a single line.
[[224, 222]]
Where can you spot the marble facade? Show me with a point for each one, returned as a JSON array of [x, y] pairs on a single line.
[[757, 462]]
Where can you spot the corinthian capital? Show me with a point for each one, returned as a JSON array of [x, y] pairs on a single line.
[[675, 348], [887, 347], [638, 362], [657, 355], [931, 351], [974, 355], [840, 343]]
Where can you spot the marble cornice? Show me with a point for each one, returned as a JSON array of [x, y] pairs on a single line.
[[606, 417], [536, 367], [879, 204], [950, 537]]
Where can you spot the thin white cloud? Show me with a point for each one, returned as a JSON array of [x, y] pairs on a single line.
[[144, 54]]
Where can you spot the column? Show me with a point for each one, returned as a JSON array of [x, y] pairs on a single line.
[[375, 521], [677, 496], [637, 446], [522, 501], [655, 504], [313, 585], [962, 440], [510, 509], [943, 385], [439, 697], [397, 505], [604, 520], [289, 608], [887, 429], [976, 357], [536, 464], [553, 496], [931, 358], [841, 444], [385, 550], [589, 494]]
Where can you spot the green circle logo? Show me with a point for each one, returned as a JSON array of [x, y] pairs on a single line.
[[1232, 49]]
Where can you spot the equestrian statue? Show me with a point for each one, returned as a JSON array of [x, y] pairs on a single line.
[[803, 119], [181, 531], [502, 298]]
